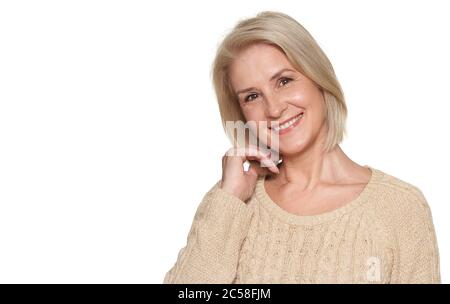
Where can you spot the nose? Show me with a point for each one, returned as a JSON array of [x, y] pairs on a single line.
[[275, 107]]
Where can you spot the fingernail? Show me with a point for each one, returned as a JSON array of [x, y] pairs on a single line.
[[269, 163]]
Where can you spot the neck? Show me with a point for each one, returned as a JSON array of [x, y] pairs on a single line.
[[312, 167]]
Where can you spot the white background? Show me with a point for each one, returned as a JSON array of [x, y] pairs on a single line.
[[110, 133]]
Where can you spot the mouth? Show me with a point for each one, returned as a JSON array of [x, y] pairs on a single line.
[[287, 125]]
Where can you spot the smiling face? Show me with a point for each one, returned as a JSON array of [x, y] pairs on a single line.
[[269, 89]]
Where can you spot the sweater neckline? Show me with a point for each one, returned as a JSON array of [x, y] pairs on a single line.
[[295, 219]]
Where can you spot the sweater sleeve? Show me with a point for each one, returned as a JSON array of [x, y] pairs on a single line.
[[417, 259], [213, 245]]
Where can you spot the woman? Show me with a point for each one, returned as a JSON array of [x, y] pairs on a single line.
[[316, 216]]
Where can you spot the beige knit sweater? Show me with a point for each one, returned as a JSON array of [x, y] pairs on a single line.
[[385, 235]]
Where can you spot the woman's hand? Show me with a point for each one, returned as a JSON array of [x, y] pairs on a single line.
[[237, 181]]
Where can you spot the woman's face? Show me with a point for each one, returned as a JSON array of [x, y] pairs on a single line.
[[278, 97]]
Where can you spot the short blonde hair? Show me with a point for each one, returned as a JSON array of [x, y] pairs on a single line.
[[302, 51]]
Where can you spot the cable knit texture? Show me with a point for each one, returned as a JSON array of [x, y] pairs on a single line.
[[385, 235]]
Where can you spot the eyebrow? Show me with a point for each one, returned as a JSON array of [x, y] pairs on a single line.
[[271, 79]]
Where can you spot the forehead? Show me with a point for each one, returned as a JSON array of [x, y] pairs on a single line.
[[257, 62]]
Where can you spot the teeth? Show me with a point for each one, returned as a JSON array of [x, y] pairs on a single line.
[[287, 124]]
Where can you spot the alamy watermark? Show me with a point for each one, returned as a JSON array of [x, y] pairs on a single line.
[[259, 135], [373, 273]]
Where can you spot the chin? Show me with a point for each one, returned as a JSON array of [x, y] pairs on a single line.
[[292, 147]]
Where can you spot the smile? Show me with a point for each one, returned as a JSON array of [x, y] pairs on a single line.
[[288, 125]]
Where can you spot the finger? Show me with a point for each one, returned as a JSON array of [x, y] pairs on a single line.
[[252, 170], [252, 153], [254, 165], [264, 158], [265, 163]]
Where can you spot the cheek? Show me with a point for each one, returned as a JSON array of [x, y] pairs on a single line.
[[297, 96], [316, 118], [319, 109], [296, 93], [254, 112], [312, 100]]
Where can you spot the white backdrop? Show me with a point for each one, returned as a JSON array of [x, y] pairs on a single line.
[[110, 133]]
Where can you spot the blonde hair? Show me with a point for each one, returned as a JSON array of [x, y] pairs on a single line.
[[302, 51]]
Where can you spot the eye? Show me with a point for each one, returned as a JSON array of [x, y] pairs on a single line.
[[247, 98], [284, 79]]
